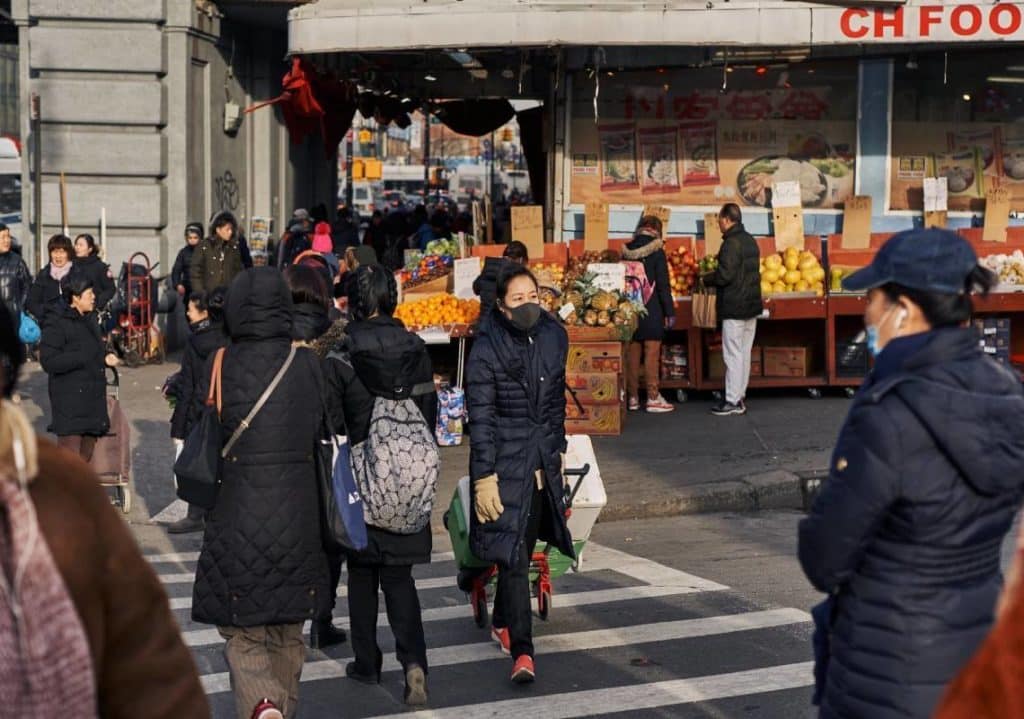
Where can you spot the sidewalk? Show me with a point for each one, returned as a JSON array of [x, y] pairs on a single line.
[[662, 465]]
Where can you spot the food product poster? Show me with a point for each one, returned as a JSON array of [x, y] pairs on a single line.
[[725, 161], [618, 157], [659, 161]]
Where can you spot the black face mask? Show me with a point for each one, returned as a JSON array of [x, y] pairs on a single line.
[[525, 316]]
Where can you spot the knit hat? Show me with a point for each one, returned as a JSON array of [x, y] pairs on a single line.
[[322, 238], [194, 227], [300, 214]]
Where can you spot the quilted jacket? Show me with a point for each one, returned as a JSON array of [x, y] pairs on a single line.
[[71, 353], [204, 341], [515, 393], [906, 532], [350, 393], [15, 282], [262, 560]]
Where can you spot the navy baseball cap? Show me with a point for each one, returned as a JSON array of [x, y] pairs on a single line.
[[931, 260]]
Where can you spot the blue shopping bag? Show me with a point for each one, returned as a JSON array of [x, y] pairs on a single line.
[[347, 499], [28, 330]]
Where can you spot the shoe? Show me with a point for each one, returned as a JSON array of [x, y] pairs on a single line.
[[726, 408], [522, 671], [325, 634], [352, 672], [502, 638], [186, 525], [415, 686], [266, 709], [634, 404], [658, 405]]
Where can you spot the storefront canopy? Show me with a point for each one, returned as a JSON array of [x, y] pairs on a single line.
[[330, 26]]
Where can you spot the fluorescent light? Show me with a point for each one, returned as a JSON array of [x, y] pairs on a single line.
[[429, 78], [1005, 79], [1015, 68]]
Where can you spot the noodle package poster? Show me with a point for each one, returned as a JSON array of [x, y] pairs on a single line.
[[618, 157], [658, 160], [700, 153]]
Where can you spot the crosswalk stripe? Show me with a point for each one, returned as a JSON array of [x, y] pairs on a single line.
[[561, 643], [421, 584], [632, 698], [179, 557], [206, 637]]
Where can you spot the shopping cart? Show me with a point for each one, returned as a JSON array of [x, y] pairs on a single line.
[[111, 458], [547, 563]]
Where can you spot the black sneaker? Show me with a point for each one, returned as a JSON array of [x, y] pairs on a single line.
[[726, 408]]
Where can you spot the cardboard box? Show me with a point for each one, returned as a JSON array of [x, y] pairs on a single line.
[[716, 363], [605, 419], [593, 388], [595, 357], [787, 361]]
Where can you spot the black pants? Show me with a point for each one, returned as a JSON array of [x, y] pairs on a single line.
[[403, 607], [334, 562], [512, 598]]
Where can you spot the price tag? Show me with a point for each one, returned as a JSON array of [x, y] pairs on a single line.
[[936, 194], [857, 223], [466, 271], [662, 213], [712, 234], [595, 226], [786, 194], [789, 227], [528, 228], [997, 213], [609, 276]]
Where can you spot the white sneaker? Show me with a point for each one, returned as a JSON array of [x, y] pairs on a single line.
[[658, 405]]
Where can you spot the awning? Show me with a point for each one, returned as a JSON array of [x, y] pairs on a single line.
[[386, 25]]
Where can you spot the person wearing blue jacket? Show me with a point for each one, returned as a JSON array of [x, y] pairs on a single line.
[[515, 391], [924, 483]]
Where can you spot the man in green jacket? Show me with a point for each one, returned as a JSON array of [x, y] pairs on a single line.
[[217, 259], [738, 279]]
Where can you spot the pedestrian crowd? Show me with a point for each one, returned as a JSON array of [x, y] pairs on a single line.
[[903, 538]]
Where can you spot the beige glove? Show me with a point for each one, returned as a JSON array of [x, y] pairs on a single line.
[[486, 499]]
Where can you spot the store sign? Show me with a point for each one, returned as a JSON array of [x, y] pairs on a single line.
[[919, 23], [654, 103]]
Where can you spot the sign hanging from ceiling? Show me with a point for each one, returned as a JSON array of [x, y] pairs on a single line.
[[919, 23]]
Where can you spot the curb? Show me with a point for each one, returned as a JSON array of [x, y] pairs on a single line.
[[778, 489]]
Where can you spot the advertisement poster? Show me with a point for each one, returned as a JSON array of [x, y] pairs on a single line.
[[659, 161], [618, 157], [720, 161]]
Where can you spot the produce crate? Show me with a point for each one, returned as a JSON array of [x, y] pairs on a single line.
[[994, 337], [787, 361], [604, 419], [595, 357], [437, 286], [852, 359], [584, 333], [716, 363], [593, 388]]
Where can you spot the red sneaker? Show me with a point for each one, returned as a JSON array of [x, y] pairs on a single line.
[[502, 638], [266, 709], [522, 671]]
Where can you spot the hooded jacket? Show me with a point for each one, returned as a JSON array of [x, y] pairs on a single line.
[[738, 277], [515, 393], [205, 340], [45, 297], [906, 531], [181, 273], [650, 251], [378, 356], [215, 263], [262, 560], [71, 353]]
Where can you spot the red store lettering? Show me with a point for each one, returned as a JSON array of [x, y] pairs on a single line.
[[1000, 19]]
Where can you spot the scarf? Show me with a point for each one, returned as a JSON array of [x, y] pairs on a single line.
[[59, 273], [46, 668]]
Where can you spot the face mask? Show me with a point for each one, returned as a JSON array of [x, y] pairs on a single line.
[[872, 330], [525, 316]]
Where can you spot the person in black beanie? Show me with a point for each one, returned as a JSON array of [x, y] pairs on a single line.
[[180, 272]]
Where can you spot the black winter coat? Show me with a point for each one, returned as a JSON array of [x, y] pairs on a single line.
[[262, 560], [906, 532], [180, 273], [72, 355], [309, 321], [98, 273], [515, 392], [650, 251], [15, 281], [387, 356], [45, 297], [205, 340], [214, 264], [738, 277], [486, 285]]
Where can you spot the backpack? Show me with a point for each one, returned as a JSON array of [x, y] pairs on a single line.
[[638, 287], [397, 465]]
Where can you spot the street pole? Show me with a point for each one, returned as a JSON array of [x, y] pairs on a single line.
[[426, 153], [37, 178], [348, 170], [493, 153]]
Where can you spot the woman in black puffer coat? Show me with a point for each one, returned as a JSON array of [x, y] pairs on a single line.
[[87, 261], [380, 357], [262, 571], [71, 353], [515, 390], [925, 480]]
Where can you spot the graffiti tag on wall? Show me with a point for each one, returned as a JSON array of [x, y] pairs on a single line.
[[225, 191]]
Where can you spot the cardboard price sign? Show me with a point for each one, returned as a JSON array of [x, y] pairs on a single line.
[[595, 226], [662, 213], [466, 271], [528, 228], [712, 234], [789, 227], [997, 212], [935, 218], [608, 276], [857, 223]]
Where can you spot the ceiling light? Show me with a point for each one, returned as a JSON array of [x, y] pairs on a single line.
[[967, 97], [429, 78], [1015, 68], [1005, 79], [761, 70], [911, 63]]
